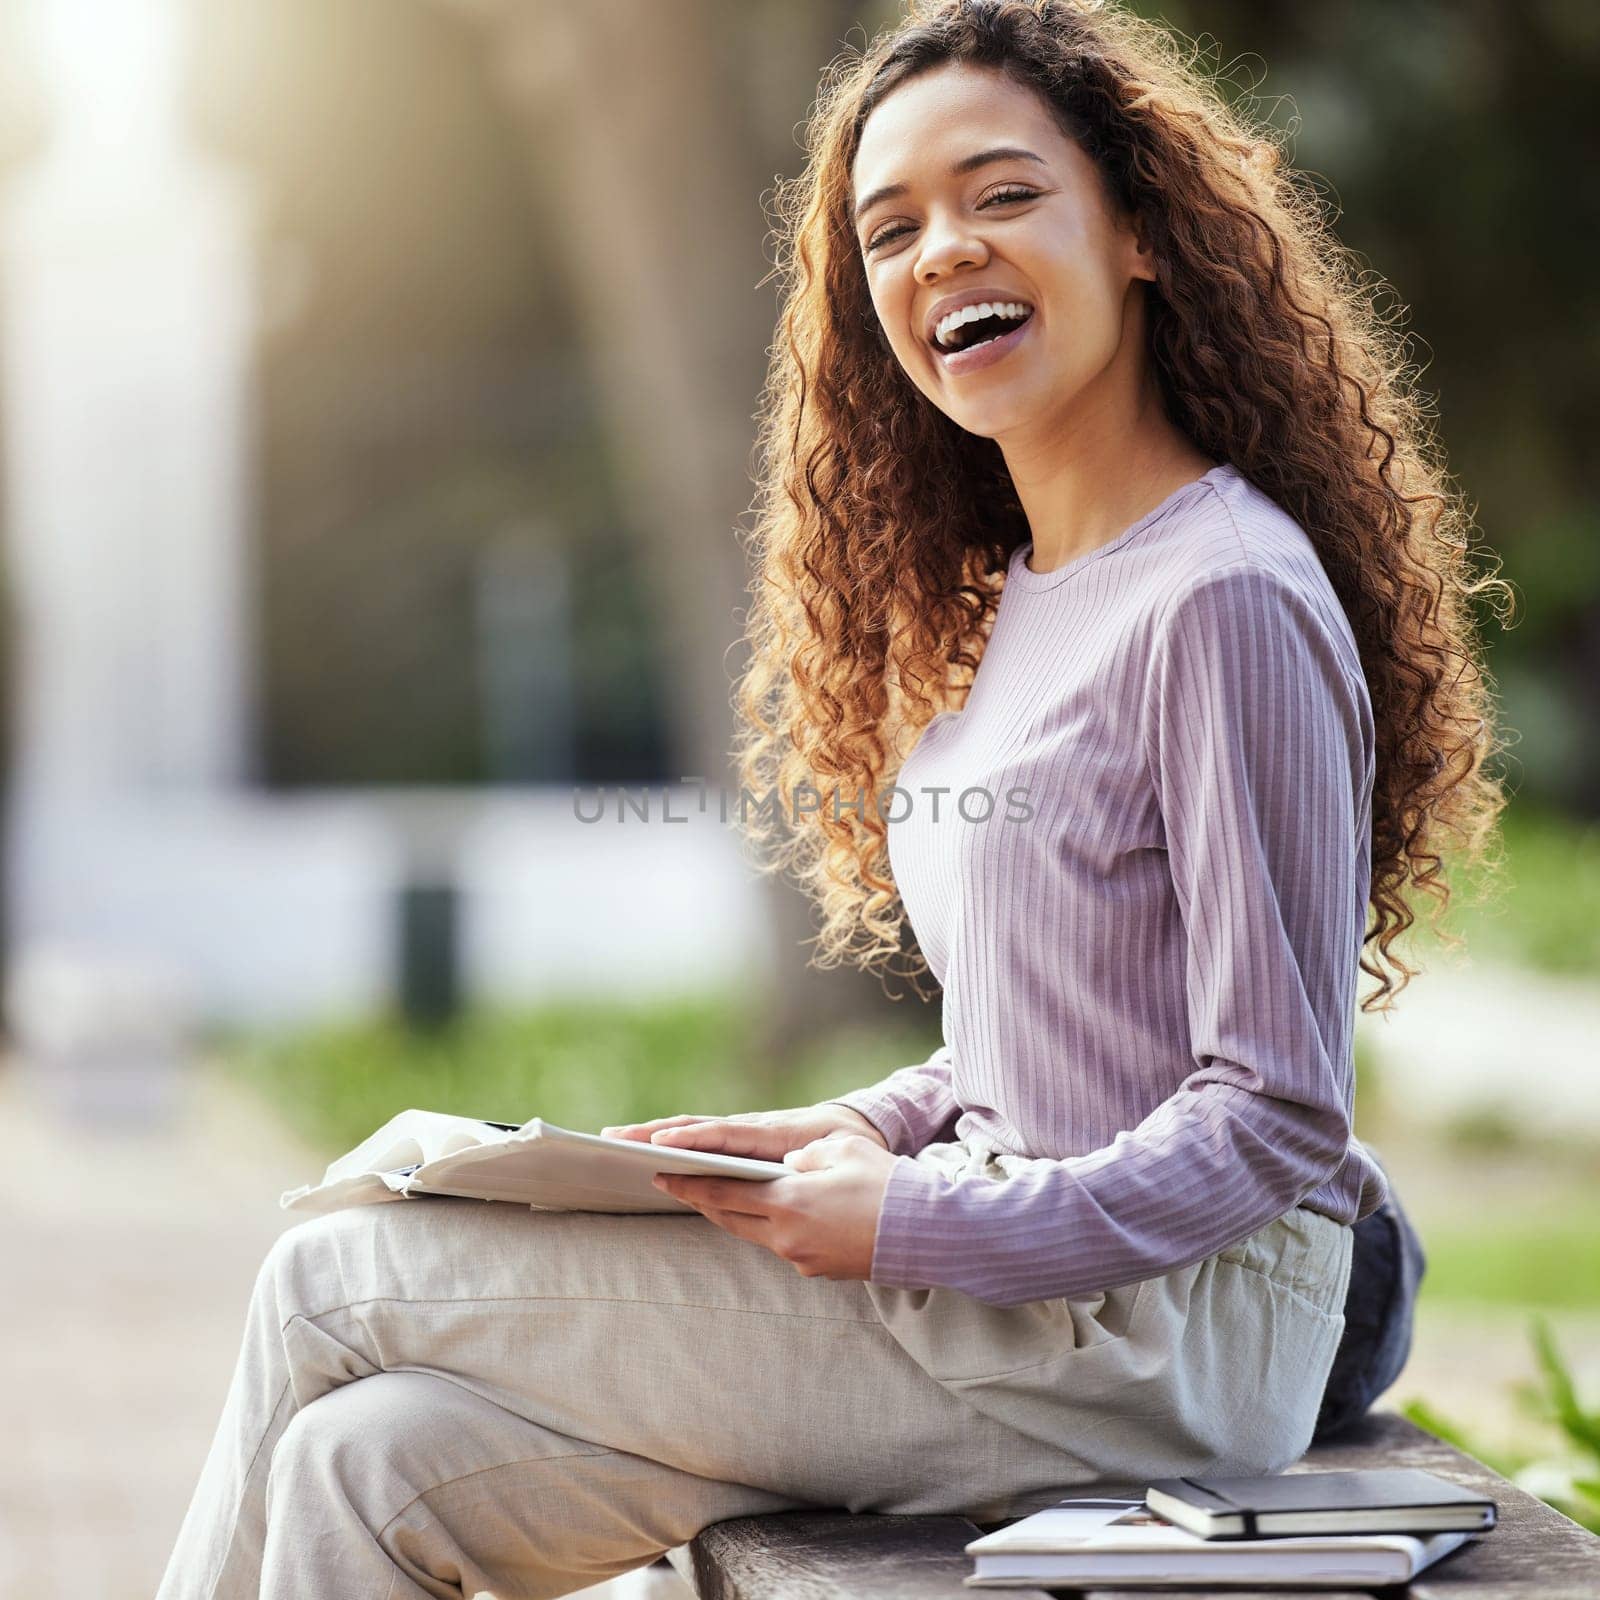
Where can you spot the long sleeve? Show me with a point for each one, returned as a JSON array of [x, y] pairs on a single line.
[[913, 1107], [1257, 741]]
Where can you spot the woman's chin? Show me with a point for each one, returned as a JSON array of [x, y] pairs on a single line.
[[994, 415]]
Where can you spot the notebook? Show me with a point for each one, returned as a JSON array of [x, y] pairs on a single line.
[[1378, 1500], [1082, 1541], [533, 1163]]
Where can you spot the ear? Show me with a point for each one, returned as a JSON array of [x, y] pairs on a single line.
[[1141, 257]]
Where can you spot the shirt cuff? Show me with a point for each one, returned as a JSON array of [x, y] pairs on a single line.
[[904, 1221], [884, 1113]]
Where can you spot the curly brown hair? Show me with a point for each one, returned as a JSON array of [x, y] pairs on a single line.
[[884, 530]]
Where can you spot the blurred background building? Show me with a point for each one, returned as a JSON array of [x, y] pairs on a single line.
[[330, 576], [377, 393]]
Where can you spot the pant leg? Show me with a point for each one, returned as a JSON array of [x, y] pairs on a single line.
[[407, 1485], [659, 1337], [664, 1338]]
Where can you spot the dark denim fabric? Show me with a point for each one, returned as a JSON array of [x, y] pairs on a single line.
[[1385, 1270]]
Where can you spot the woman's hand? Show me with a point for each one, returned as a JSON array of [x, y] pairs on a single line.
[[822, 1219], [767, 1135]]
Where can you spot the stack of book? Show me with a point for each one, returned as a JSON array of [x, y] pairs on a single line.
[[1313, 1530]]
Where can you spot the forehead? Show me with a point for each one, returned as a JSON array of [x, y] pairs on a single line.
[[924, 125]]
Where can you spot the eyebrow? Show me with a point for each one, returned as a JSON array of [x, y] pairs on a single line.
[[983, 158]]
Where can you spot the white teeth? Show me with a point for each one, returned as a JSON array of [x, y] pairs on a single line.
[[986, 308]]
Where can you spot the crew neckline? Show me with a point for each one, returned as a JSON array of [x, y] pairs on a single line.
[[1024, 577]]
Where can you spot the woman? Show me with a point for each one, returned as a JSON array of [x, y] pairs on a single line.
[[1145, 570]]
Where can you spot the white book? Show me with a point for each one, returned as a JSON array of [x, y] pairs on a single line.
[[1121, 1542], [534, 1163]]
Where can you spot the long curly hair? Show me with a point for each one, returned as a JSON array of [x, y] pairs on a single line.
[[884, 530]]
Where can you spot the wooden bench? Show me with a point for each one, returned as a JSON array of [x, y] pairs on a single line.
[[802, 1555]]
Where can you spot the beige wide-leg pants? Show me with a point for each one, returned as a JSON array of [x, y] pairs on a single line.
[[451, 1397]]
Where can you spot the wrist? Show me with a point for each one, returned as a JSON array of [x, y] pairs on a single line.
[[852, 1121]]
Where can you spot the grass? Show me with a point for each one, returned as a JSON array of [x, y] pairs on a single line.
[[582, 1064], [1548, 1261], [1534, 1246], [1505, 1215], [1542, 908]]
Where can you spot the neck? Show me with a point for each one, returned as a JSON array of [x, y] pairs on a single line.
[[1092, 473]]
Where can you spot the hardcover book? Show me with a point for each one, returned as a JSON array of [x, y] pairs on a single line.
[[1123, 1544], [1378, 1500]]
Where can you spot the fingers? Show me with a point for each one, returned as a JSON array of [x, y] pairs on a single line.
[[700, 1133], [741, 1225], [643, 1130], [706, 1195], [725, 1135], [827, 1151], [736, 1196], [763, 1134]]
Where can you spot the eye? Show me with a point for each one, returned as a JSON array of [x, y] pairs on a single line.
[[1011, 192], [1008, 195]]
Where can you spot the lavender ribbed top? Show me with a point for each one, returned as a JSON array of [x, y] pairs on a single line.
[[1149, 983]]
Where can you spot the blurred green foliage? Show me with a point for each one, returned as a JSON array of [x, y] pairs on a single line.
[[1542, 910], [579, 1063], [1547, 1256], [1569, 1479], [1452, 148]]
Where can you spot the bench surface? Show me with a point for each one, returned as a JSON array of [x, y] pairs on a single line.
[[803, 1555]]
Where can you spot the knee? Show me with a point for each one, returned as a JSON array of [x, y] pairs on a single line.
[[295, 1250], [312, 1451], [300, 1271], [363, 1426]]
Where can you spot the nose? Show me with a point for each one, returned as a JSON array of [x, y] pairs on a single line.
[[947, 245]]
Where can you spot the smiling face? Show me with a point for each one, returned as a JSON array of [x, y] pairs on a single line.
[[1031, 228]]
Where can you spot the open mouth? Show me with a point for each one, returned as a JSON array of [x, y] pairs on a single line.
[[982, 342], [991, 322]]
